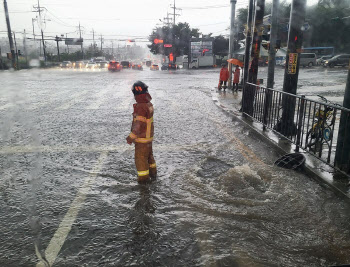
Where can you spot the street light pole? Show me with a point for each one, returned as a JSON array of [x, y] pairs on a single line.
[[231, 43], [247, 51]]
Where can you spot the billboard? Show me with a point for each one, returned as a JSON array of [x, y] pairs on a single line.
[[73, 41], [201, 48]]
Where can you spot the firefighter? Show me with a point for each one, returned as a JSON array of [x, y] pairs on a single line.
[[223, 77], [142, 133]]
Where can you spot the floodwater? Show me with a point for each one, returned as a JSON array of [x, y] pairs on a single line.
[[69, 196]]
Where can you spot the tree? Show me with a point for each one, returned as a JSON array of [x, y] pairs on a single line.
[[220, 46], [178, 36], [329, 28]]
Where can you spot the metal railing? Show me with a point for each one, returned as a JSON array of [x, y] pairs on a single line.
[[309, 124]]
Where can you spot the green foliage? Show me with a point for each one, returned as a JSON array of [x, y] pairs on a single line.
[[329, 28], [328, 20], [178, 35], [220, 45]]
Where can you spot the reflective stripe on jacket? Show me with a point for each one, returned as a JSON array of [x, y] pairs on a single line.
[[142, 128]]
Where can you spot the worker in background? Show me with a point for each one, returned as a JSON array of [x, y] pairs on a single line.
[[236, 75], [142, 133], [223, 77]]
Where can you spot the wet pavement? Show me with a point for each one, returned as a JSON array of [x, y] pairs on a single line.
[[69, 196]]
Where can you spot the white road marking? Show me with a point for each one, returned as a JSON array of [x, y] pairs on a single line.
[[65, 226]]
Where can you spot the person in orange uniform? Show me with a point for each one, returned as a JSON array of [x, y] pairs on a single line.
[[223, 77], [236, 75], [142, 133]]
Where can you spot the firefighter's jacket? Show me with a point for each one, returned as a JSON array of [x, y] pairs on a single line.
[[142, 125]]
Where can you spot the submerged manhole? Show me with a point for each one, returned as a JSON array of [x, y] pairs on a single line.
[[291, 161]]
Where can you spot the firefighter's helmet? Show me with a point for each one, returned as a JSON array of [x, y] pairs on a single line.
[[139, 88]]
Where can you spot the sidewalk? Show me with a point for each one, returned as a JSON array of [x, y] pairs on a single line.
[[230, 103]]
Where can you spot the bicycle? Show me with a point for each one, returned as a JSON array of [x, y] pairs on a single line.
[[321, 131]]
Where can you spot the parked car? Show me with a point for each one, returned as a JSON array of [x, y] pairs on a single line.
[[339, 60], [321, 60], [154, 67], [91, 65], [125, 64], [66, 64], [308, 59], [137, 66], [114, 66], [79, 65]]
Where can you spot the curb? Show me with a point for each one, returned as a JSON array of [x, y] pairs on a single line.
[[307, 169]]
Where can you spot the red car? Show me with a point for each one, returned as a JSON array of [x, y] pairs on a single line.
[[114, 66]]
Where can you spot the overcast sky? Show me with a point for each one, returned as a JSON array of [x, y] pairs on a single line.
[[117, 19]]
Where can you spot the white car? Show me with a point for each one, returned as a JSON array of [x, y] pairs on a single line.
[[91, 65]]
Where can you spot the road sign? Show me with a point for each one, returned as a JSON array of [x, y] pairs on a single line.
[[158, 41], [73, 41], [168, 45], [306, 26], [292, 63]]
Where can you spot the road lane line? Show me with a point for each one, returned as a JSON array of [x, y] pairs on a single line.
[[65, 226]]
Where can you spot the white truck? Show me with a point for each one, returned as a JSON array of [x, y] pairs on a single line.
[[201, 62]]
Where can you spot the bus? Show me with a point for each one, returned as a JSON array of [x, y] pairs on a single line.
[[320, 51]]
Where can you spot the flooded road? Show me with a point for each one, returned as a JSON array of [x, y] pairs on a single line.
[[69, 196]]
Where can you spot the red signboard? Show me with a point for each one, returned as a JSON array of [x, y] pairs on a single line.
[[158, 41], [168, 45]]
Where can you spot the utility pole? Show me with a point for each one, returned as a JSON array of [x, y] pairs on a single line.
[[247, 51], [291, 73], [25, 46], [93, 41], [9, 32], [255, 54], [14, 37], [67, 43], [231, 43], [101, 44], [41, 28], [57, 39], [2, 65], [112, 49], [174, 13], [81, 46], [342, 155]]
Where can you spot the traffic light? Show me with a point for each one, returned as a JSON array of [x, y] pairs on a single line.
[[171, 57], [19, 53]]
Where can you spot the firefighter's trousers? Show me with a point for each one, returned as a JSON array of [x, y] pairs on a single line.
[[145, 163]]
